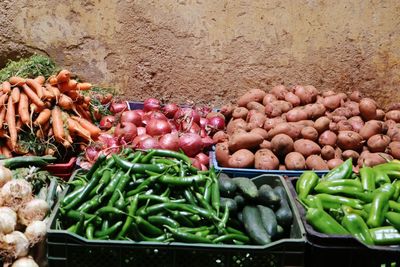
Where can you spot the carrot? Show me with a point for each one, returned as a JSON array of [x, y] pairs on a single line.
[[2, 116], [6, 87], [35, 86], [3, 100], [10, 118], [84, 86], [6, 151], [50, 132], [23, 108], [33, 96], [92, 129], [18, 125], [43, 117], [40, 80], [48, 95], [74, 95], [16, 81], [87, 100], [75, 127], [52, 80], [53, 90], [57, 123], [15, 94], [68, 86], [65, 102], [63, 76]]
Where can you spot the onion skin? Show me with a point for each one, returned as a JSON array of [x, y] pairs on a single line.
[[169, 110], [191, 144], [117, 107], [131, 116], [126, 131], [157, 127], [107, 122], [148, 143], [151, 104], [170, 141]]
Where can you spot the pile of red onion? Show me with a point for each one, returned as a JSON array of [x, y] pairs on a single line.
[[159, 126]]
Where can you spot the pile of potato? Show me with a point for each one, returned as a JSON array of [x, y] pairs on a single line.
[[298, 127]]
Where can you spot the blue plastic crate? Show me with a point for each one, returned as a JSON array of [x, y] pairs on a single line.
[[244, 171]]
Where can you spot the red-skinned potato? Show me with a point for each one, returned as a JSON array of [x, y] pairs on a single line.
[[333, 163], [295, 161], [256, 95], [315, 162], [256, 120], [378, 143], [227, 110], [394, 132], [272, 110], [394, 149], [338, 153], [312, 91], [306, 147], [353, 107], [279, 91], [349, 140], [343, 96], [305, 95], [351, 154], [260, 131], [256, 106], [355, 96], [220, 136], [332, 102], [327, 138], [356, 123], [235, 124], [309, 133], [343, 112], [305, 123], [322, 124], [344, 126], [328, 152], [266, 144], [393, 115], [380, 115], [328, 93], [242, 140], [297, 114], [243, 158], [371, 128], [315, 110], [272, 122], [290, 129], [336, 118], [368, 109], [222, 154], [240, 113], [268, 99], [333, 127], [281, 144], [266, 160], [372, 159], [292, 99]]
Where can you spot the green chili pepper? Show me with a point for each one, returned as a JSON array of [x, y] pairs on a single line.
[[110, 231], [89, 231], [72, 228], [69, 197], [204, 203], [143, 185], [189, 196], [187, 237], [182, 219], [379, 207], [230, 238], [123, 181], [357, 227], [147, 227], [105, 179], [222, 224], [393, 218], [387, 188], [207, 191], [306, 183], [80, 225], [339, 182], [323, 222], [395, 206], [138, 167], [381, 177], [163, 220], [147, 158], [105, 225], [367, 178], [171, 154], [90, 204], [335, 202], [337, 189], [181, 181], [387, 235], [215, 195], [350, 210], [109, 210], [312, 202], [396, 186], [129, 219], [343, 171], [110, 188], [76, 216]]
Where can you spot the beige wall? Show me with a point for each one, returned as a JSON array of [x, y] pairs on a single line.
[[212, 50]]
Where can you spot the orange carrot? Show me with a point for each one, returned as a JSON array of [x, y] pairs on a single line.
[[2, 116], [3, 100], [65, 102], [87, 100], [6, 87], [92, 129], [6, 152], [40, 80], [75, 127], [35, 86], [48, 95], [63, 76], [74, 95], [57, 123], [43, 117], [68, 86], [10, 118], [83, 113], [50, 132], [84, 86], [16, 81], [52, 80], [33, 96], [23, 108], [53, 90], [18, 125], [15, 94]]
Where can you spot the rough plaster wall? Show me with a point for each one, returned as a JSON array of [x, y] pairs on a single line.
[[212, 51]]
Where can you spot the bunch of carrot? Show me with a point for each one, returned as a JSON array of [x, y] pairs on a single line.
[[54, 110]]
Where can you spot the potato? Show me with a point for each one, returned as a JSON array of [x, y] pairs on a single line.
[[220, 136], [389, 124], [256, 120], [244, 141], [393, 115], [243, 158], [380, 115], [328, 93], [349, 140], [266, 144], [256, 106], [296, 114], [338, 153], [332, 102], [305, 123], [371, 128], [306, 147], [355, 96], [227, 110], [394, 149], [260, 131], [344, 126], [235, 124], [315, 110], [281, 144], [279, 91], [371, 159], [322, 124], [320, 99], [353, 107], [240, 113], [394, 132], [336, 118], [222, 154], [305, 95], [343, 112], [333, 126], [272, 122], [295, 161], [256, 95], [393, 106], [313, 91], [309, 133], [315, 162], [268, 99], [351, 154], [368, 109], [333, 163], [266, 160], [292, 99], [282, 167], [286, 128], [327, 138], [273, 110], [328, 152], [378, 143], [356, 123]]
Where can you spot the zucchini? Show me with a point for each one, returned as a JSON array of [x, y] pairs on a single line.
[[284, 215], [254, 226], [227, 187], [267, 196], [240, 201], [247, 187], [268, 219], [240, 216], [230, 202], [280, 231]]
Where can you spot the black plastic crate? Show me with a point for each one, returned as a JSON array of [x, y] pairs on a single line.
[[66, 249], [341, 250]]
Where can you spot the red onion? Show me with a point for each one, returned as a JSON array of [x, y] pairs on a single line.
[[140, 112], [190, 143], [170, 141], [117, 107], [153, 115], [107, 122], [203, 111], [157, 127], [203, 158], [203, 167], [126, 131], [151, 104], [216, 123], [188, 115], [203, 123], [170, 110], [106, 139], [131, 116], [148, 143], [92, 153], [207, 141], [141, 130], [196, 163], [188, 127], [203, 133], [139, 138]]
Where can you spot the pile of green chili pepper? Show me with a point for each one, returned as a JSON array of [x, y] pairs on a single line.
[[365, 205], [148, 196]]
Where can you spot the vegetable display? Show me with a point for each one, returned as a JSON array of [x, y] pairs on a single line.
[[366, 206], [298, 127]]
